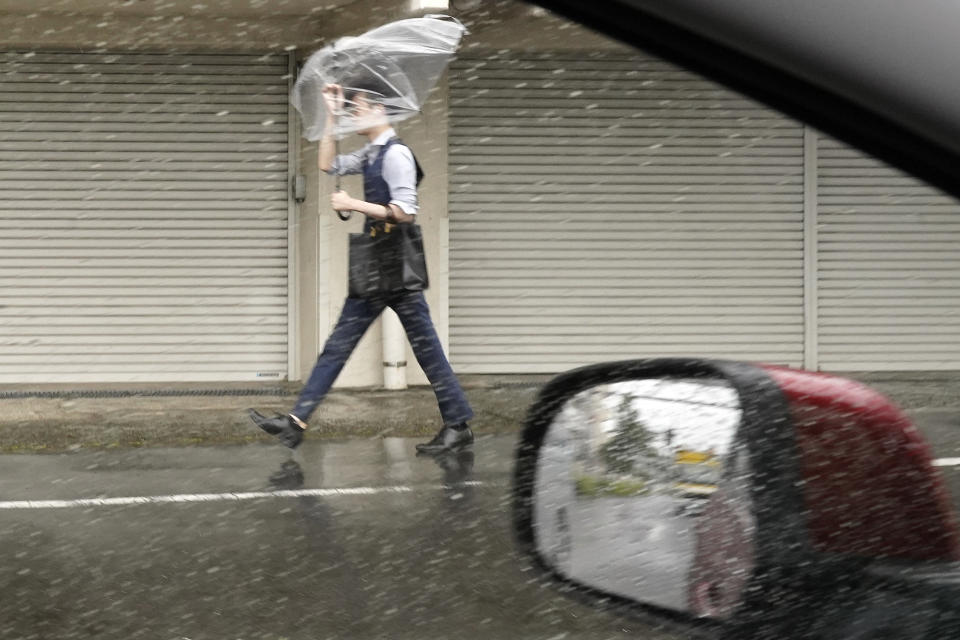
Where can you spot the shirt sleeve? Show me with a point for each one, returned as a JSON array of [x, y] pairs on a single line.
[[347, 164], [400, 174]]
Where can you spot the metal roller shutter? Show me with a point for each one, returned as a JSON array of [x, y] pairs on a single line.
[[889, 258], [143, 207], [606, 207]]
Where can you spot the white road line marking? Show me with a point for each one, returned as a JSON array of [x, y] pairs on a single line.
[[206, 497], [946, 462]]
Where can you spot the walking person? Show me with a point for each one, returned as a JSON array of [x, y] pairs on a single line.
[[390, 178]]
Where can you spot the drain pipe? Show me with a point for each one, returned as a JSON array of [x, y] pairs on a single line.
[[394, 351]]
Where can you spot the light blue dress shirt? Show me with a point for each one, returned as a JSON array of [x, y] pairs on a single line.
[[399, 170]]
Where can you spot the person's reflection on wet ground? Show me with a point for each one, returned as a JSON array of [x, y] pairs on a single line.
[[317, 552], [288, 477], [457, 469]]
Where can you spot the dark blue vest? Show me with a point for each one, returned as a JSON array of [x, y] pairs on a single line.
[[375, 188]]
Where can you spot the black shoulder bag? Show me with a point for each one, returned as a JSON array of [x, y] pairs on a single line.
[[386, 260], [389, 258]]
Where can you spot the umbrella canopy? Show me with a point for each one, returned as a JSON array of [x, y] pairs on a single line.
[[395, 65]]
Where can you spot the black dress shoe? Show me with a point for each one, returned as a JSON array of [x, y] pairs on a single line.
[[448, 439], [288, 431]]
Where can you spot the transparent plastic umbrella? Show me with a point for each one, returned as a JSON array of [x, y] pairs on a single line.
[[401, 60]]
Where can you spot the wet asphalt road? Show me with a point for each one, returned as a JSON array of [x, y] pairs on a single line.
[[427, 553], [941, 429], [422, 549]]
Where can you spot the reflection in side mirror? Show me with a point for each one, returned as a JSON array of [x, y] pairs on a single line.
[[631, 477], [779, 503]]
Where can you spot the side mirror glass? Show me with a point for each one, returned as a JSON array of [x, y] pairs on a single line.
[[624, 474]]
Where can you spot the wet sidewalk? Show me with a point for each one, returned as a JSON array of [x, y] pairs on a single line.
[[108, 416], [51, 419]]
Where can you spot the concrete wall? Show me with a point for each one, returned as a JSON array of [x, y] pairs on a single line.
[[507, 25], [72, 32]]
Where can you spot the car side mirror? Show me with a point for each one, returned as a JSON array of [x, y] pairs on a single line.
[[727, 491]]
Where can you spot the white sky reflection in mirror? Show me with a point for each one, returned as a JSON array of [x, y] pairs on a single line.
[[694, 415]]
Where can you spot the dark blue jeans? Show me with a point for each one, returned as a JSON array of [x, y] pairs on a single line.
[[357, 316]]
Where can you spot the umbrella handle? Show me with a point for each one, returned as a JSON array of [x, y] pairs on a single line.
[[340, 214], [336, 186]]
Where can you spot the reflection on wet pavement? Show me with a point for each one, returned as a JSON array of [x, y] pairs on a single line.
[[290, 476], [422, 549]]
